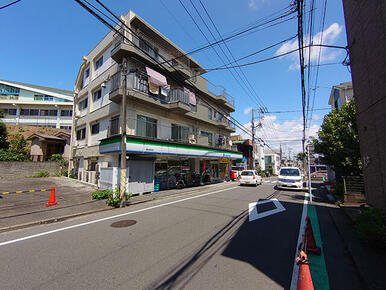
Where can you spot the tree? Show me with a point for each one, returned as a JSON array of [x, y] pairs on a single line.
[[3, 136], [338, 141], [300, 156], [17, 150]]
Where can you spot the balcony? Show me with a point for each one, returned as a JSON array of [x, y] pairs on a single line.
[[150, 55], [138, 88]]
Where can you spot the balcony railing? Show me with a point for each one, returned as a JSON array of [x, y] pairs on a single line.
[[221, 91], [138, 82]]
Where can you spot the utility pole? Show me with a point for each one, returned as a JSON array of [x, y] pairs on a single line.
[[253, 140], [122, 186], [309, 173]]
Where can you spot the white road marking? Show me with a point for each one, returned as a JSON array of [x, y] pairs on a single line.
[[254, 215], [295, 271], [109, 218]]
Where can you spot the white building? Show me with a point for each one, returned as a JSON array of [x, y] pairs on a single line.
[[272, 160], [26, 104], [340, 95], [176, 128]]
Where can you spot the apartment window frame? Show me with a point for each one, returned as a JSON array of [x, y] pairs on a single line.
[[66, 113], [114, 126], [146, 127], [209, 135], [7, 111], [52, 113], [81, 134], [97, 95], [210, 113], [180, 133], [83, 104], [87, 73], [99, 62], [95, 128]]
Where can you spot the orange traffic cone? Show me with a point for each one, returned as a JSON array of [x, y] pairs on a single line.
[[311, 244], [52, 200], [304, 277]]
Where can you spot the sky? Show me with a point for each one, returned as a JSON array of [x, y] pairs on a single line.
[[43, 43]]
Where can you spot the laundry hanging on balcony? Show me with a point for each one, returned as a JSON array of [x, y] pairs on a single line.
[[156, 80], [165, 90], [192, 96]]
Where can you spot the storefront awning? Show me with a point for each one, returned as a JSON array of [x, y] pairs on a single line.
[[140, 146]]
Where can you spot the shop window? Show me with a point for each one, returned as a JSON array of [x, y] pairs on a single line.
[[146, 127]]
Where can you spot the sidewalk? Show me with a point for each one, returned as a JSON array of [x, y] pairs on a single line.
[[370, 263], [21, 210]]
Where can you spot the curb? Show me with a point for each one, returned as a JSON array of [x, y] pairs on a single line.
[[63, 218]]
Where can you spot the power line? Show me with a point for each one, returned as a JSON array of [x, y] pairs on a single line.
[[294, 111], [9, 4]]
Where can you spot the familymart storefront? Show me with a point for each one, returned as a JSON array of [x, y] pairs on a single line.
[[158, 165]]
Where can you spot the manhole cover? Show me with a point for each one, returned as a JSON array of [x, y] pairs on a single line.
[[123, 224]]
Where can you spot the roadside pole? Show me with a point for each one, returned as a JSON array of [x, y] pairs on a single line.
[[253, 140], [309, 173], [122, 186]]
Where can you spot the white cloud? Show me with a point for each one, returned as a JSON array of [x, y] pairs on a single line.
[[247, 110], [275, 133], [254, 4], [330, 35]]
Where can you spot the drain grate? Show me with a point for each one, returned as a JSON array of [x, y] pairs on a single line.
[[123, 224]]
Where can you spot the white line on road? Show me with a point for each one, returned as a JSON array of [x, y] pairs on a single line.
[[109, 218], [295, 271]]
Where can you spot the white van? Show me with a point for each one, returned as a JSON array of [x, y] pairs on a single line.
[[290, 177]]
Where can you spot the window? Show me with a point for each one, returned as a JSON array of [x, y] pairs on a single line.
[[43, 112], [24, 112], [99, 62], [209, 135], [11, 112], [81, 134], [66, 113], [95, 128], [48, 98], [86, 73], [83, 104], [65, 127], [180, 133], [38, 97], [210, 113], [114, 126], [146, 127], [34, 112], [52, 113], [97, 95]]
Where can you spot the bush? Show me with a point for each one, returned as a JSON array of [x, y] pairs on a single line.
[[101, 194], [113, 197], [41, 173], [371, 225], [56, 158]]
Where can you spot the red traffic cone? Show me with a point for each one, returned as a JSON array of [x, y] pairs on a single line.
[[311, 244], [52, 200], [304, 277]]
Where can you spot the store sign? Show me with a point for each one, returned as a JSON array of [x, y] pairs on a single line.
[[223, 160]]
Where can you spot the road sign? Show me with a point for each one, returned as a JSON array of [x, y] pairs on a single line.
[[254, 215]]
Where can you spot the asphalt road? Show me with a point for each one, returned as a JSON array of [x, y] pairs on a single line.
[[198, 241]]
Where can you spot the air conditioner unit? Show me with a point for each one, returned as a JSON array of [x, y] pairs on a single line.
[[192, 139]]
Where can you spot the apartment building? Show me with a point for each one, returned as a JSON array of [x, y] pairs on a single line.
[[272, 161], [176, 128], [340, 95], [33, 105]]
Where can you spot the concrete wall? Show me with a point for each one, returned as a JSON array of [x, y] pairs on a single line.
[[366, 30], [22, 169]]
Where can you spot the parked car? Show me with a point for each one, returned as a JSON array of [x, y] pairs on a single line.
[[290, 177], [250, 177]]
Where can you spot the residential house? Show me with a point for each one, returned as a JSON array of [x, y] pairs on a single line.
[[272, 161], [340, 95]]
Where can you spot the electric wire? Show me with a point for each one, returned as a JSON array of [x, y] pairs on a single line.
[[10, 4]]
